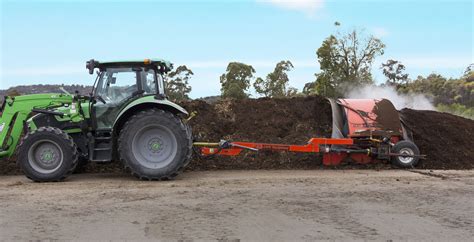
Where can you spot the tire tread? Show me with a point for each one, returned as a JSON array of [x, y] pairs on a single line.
[[186, 149]]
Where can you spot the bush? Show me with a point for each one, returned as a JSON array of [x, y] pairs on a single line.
[[457, 109]]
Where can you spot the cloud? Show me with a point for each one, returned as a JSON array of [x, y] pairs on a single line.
[[309, 7], [380, 32]]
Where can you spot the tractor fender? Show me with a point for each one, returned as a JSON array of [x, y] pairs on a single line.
[[146, 103]]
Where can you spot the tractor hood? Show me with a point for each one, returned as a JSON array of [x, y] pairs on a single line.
[[54, 97]]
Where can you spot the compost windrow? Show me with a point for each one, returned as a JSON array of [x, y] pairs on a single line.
[[445, 139], [265, 120]]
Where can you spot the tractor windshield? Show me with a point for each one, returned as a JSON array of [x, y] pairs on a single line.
[[119, 84]]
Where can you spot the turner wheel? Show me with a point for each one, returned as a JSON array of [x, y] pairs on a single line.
[[47, 154], [155, 145], [405, 147]]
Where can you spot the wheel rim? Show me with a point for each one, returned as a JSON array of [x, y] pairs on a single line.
[[406, 159], [154, 146], [45, 156]]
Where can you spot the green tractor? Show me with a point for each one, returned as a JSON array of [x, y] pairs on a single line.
[[126, 117]]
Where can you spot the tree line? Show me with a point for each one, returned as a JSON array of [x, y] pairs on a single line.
[[346, 61]]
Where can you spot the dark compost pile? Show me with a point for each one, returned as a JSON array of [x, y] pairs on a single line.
[[446, 139], [287, 121]]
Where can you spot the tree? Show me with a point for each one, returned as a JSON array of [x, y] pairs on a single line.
[[393, 70], [469, 73], [276, 82], [236, 80], [177, 85], [443, 90], [321, 86], [309, 88], [345, 61], [326, 87], [293, 92]]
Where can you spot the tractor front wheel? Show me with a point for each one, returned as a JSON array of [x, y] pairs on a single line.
[[155, 145], [47, 154], [407, 154]]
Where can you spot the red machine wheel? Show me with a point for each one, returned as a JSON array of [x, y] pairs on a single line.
[[405, 147]]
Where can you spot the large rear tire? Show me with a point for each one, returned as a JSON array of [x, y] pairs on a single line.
[[47, 154], [155, 145], [405, 147]]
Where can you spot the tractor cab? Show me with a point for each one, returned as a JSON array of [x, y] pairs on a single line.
[[118, 83]]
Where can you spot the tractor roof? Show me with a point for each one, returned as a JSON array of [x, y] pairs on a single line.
[[164, 65], [152, 61]]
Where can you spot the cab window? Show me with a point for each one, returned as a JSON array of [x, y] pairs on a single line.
[[148, 81], [118, 84]]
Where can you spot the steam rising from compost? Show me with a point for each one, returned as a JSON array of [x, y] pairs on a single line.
[[400, 101]]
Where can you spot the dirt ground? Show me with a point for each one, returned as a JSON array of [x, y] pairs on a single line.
[[259, 205]]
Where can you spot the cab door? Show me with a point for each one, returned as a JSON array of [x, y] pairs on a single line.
[[116, 87]]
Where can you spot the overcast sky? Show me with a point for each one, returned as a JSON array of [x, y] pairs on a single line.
[[49, 41]]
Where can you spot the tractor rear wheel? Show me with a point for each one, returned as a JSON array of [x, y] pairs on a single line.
[[155, 145], [47, 154], [408, 148]]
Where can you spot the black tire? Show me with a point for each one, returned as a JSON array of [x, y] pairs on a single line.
[[189, 133], [405, 147], [155, 145], [47, 154]]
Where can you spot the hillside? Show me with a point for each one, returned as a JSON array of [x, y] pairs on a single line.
[[40, 88]]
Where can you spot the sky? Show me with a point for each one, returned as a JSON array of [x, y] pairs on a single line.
[[48, 42]]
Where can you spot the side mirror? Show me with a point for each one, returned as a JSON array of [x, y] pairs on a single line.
[[91, 65]]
